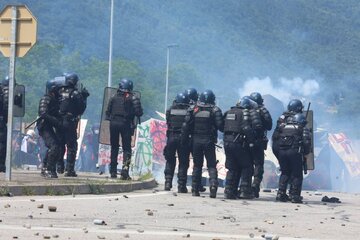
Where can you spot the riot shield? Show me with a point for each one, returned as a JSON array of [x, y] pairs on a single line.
[[19, 101], [310, 156], [104, 133]]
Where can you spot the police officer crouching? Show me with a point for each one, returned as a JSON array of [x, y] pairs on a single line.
[[240, 126], [49, 120], [121, 111], [175, 117], [291, 141], [202, 123]]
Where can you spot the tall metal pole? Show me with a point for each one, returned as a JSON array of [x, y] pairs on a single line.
[[167, 72], [11, 92], [111, 40], [167, 77]]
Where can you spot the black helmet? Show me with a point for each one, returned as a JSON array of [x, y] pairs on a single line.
[[295, 105], [255, 96], [5, 81], [51, 85], [71, 79], [299, 118], [207, 97], [192, 94], [182, 98], [245, 102], [126, 85]]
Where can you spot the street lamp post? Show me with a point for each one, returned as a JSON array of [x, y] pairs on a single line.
[[167, 72], [111, 43]]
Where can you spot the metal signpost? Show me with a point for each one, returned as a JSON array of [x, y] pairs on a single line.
[[17, 36]]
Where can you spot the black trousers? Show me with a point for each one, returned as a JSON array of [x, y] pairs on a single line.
[[52, 142], [258, 157], [239, 164], [68, 138], [290, 161], [173, 146], [203, 146], [120, 127]]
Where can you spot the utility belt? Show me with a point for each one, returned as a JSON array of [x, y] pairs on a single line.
[[287, 142], [69, 117], [234, 137]]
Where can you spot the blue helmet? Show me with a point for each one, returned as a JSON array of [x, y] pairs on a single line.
[[247, 102], [126, 85], [71, 79], [182, 98], [192, 94], [207, 97], [51, 85], [295, 105], [255, 96]]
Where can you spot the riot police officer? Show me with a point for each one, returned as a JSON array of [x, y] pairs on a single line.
[[202, 123], [49, 125], [175, 117], [258, 150], [122, 109], [291, 141], [241, 124], [72, 104]]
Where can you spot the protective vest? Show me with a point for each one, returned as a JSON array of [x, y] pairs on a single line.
[[121, 105], [71, 101], [290, 133], [203, 120], [176, 117], [234, 120]]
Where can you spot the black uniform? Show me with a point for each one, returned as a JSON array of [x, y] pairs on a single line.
[[257, 151], [4, 96], [202, 122], [239, 138], [72, 104], [291, 141], [122, 109], [175, 117], [50, 120]]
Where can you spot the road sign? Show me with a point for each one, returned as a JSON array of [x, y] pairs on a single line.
[[25, 32]]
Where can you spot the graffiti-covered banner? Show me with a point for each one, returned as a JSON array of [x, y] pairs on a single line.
[[343, 147]]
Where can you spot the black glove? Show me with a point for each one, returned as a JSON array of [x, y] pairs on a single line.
[[85, 93]]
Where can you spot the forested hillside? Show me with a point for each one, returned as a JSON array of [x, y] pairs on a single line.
[[222, 46]]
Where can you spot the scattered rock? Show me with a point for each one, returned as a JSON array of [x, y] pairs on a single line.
[[267, 190], [140, 230], [175, 230], [100, 237], [170, 204], [332, 217], [99, 222], [32, 200], [175, 194], [187, 235], [283, 215], [187, 212], [116, 199], [317, 194], [202, 223], [309, 229], [276, 237], [50, 225], [251, 235], [30, 216], [36, 234], [7, 205], [15, 237], [283, 226], [28, 226], [125, 196], [86, 231], [232, 219], [255, 228], [74, 215], [126, 235], [46, 237], [150, 213], [40, 206], [55, 236], [343, 225], [52, 208], [331, 199], [296, 209], [321, 222], [155, 191]]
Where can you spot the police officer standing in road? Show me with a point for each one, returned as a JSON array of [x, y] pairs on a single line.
[[72, 104], [122, 109], [175, 117], [291, 141], [241, 123], [202, 123], [258, 150], [49, 125]]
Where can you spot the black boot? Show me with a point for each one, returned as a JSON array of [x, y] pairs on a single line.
[[295, 189], [182, 189], [246, 193], [230, 189], [126, 165], [282, 196], [2, 168], [124, 175], [60, 168], [168, 183], [213, 179], [256, 191], [196, 180], [182, 179], [113, 170]]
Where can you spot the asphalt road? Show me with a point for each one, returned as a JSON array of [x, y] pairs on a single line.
[[156, 214]]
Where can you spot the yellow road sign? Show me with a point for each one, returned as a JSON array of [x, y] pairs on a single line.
[[26, 30]]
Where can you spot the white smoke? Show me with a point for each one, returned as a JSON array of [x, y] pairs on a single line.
[[285, 90]]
